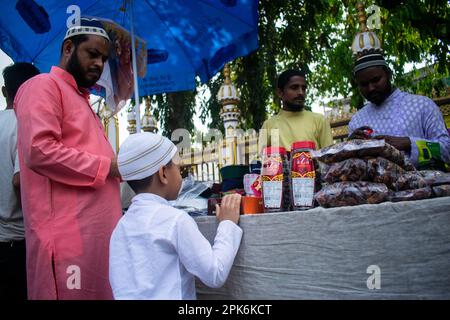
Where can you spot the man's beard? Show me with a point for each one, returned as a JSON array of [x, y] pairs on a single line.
[[382, 96], [293, 106], [75, 69]]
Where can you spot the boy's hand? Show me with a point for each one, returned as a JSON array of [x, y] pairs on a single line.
[[230, 208]]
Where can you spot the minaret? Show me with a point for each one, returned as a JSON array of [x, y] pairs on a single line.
[[111, 125], [365, 42], [131, 118], [148, 123], [228, 96]]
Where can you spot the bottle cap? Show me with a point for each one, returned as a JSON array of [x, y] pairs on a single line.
[[303, 145], [272, 150]]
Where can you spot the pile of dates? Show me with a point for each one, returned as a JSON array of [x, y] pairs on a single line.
[[351, 194], [358, 172]]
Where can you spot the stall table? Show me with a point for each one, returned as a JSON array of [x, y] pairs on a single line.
[[385, 251]]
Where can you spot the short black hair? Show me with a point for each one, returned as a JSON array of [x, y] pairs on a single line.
[[76, 40], [16, 74], [140, 185], [285, 76]]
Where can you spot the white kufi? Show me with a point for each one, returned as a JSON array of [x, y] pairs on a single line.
[[143, 154]]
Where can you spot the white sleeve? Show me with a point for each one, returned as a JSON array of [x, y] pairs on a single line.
[[210, 264]]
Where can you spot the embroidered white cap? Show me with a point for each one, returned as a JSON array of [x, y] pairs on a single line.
[[87, 26], [143, 154]]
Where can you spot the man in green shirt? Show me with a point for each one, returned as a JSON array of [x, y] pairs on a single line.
[[293, 122]]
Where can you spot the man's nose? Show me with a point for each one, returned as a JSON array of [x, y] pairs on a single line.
[[99, 63]]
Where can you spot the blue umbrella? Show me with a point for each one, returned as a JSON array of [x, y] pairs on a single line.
[[183, 38]]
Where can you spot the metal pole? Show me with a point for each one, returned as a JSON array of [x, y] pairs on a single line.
[[136, 87]]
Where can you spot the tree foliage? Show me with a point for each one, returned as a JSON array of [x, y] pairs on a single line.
[[175, 110]]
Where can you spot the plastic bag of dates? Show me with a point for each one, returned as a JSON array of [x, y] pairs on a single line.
[[435, 177], [348, 149], [359, 148], [410, 180], [408, 166], [384, 171], [348, 170], [442, 190], [408, 195], [351, 194], [393, 154]]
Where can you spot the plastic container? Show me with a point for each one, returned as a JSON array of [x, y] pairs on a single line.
[[252, 205], [302, 175], [275, 179]]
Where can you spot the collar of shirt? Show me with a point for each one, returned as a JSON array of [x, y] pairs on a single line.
[[149, 197], [67, 77], [394, 95], [285, 113]]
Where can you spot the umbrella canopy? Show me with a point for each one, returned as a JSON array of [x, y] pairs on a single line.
[[183, 38]]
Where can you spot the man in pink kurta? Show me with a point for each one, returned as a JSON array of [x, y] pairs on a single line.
[[69, 177]]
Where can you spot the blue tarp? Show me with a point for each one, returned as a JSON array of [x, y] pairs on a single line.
[[184, 38]]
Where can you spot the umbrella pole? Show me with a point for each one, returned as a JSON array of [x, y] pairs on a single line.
[[136, 88]]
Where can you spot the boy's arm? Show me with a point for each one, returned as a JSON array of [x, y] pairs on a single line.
[[210, 264]]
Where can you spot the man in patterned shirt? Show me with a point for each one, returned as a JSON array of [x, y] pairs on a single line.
[[411, 123]]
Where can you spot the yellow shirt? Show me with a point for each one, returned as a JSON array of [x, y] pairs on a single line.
[[299, 126]]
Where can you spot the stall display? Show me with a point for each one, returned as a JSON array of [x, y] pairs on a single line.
[[275, 179], [347, 170], [408, 195], [333, 253], [343, 194], [442, 190], [302, 175], [435, 177], [384, 171], [410, 180], [359, 148]]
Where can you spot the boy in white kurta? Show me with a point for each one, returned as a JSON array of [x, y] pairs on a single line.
[[156, 249]]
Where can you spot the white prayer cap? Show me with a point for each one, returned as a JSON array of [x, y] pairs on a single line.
[[87, 26], [143, 154]]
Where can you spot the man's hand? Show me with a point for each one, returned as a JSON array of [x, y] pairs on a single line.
[[401, 143], [229, 208], [114, 169], [361, 133]]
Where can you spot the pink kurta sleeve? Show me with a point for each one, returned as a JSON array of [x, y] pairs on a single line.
[[40, 114]]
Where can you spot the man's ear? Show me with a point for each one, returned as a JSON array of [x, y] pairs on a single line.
[[162, 173], [279, 93], [5, 94], [388, 72], [68, 47]]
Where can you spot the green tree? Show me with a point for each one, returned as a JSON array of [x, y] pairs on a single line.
[[411, 32], [175, 110]]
